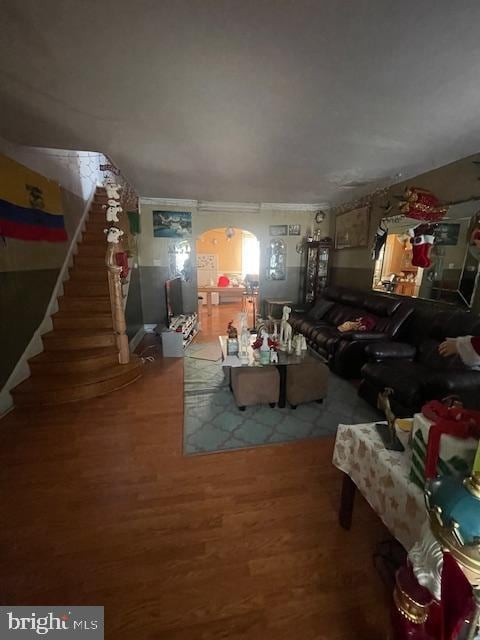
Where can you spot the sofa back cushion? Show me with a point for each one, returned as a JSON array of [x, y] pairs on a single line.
[[320, 309], [350, 304]]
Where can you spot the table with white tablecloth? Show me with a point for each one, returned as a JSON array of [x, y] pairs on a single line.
[[382, 477]]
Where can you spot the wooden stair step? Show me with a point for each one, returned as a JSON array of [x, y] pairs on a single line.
[[92, 250], [96, 214], [62, 339], [92, 237], [89, 261], [95, 241], [85, 289], [92, 304], [97, 219], [97, 227], [58, 389], [85, 320], [73, 360], [87, 274]]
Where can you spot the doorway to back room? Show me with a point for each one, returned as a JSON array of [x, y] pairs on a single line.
[[228, 266]]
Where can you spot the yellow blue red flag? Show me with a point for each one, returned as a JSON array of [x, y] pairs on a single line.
[[30, 204]]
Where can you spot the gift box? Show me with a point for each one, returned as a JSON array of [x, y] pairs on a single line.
[[455, 454]]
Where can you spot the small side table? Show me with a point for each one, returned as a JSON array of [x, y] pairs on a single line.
[[270, 303], [382, 476]]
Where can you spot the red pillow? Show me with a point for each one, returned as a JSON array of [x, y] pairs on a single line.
[[368, 323], [223, 281]]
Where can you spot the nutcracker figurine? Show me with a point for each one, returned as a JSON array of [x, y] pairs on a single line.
[[437, 595]]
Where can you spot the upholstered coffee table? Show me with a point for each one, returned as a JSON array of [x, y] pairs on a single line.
[[285, 361]]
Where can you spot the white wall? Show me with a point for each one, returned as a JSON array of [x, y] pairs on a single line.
[[75, 171]]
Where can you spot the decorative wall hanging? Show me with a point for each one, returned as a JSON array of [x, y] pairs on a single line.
[[277, 260], [294, 229], [206, 261], [421, 204], [278, 229], [134, 222], [172, 224], [179, 259], [351, 228]]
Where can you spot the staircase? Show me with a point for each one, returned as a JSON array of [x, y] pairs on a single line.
[[81, 358]]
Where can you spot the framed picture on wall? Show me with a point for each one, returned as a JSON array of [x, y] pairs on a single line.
[[278, 230], [294, 229], [172, 224], [446, 234], [351, 228]]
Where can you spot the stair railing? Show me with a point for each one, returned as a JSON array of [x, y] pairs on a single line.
[[116, 302], [116, 228]]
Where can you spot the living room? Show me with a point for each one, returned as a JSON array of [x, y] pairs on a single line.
[[240, 319]]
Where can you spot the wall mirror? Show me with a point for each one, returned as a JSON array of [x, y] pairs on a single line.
[[179, 260], [451, 270], [277, 260]]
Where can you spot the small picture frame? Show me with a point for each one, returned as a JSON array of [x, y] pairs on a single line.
[[278, 230], [294, 229]]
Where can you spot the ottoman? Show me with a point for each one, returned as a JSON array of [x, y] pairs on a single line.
[[255, 385], [307, 382]]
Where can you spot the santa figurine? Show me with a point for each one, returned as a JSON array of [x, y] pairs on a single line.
[[466, 347]]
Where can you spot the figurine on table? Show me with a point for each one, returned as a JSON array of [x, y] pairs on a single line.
[[231, 330]]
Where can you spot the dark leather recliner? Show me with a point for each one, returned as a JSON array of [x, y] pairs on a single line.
[[415, 370], [346, 351]]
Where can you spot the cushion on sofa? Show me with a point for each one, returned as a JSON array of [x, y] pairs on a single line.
[[320, 309]]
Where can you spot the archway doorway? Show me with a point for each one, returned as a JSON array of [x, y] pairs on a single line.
[[228, 266]]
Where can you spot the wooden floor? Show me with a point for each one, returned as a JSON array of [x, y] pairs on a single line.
[[99, 506]]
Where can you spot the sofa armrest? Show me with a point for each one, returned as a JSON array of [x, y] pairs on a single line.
[[391, 351], [371, 336], [443, 383]]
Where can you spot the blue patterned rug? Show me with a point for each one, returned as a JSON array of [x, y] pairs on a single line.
[[212, 421]]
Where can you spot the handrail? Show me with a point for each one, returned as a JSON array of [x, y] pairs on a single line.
[[113, 269]]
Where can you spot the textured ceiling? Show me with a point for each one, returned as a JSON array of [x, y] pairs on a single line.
[[247, 100]]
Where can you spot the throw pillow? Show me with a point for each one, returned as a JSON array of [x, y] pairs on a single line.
[[320, 309]]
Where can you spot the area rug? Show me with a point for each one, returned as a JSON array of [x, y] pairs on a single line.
[[212, 421], [210, 351]]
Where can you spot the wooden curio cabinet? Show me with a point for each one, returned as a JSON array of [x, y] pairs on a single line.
[[316, 269]]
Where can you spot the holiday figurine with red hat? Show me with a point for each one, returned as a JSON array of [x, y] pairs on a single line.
[[466, 347]]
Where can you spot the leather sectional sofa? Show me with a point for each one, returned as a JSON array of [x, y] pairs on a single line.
[[346, 351], [401, 352], [415, 370]]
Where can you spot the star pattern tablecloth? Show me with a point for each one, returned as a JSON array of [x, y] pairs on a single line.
[[383, 478]]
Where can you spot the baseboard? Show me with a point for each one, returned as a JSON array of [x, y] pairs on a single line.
[[137, 338], [22, 371]]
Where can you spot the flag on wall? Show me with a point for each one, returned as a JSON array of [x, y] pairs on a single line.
[[30, 204]]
